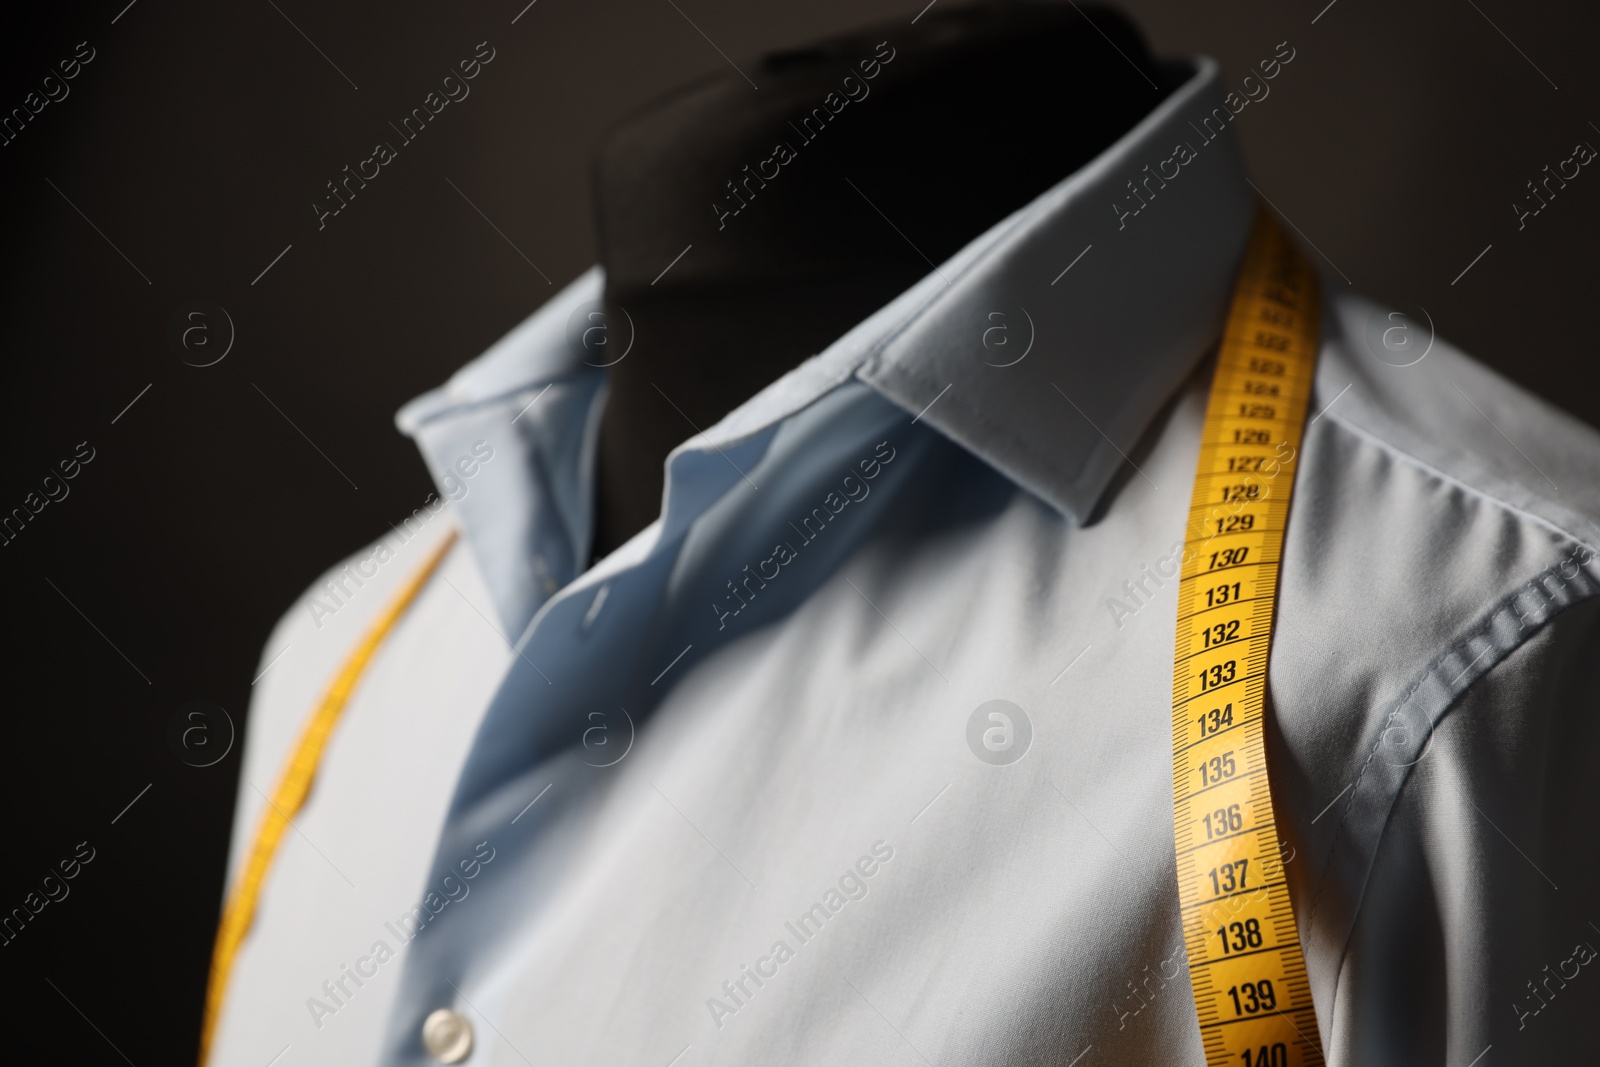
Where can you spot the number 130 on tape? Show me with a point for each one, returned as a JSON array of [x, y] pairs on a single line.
[[1246, 966]]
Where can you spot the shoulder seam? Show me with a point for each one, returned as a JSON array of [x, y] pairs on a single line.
[[1494, 630], [1423, 465]]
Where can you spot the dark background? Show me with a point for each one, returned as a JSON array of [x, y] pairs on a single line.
[[196, 141]]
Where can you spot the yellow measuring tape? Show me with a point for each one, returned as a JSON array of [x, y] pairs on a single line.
[[1245, 962], [295, 785]]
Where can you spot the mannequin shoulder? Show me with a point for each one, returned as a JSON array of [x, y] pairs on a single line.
[[324, 626]]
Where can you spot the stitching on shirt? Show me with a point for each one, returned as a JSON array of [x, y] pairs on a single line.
[[1581, 587], [1453, 647], [1427, 672], [1428, 468], [1367, 436], [1451, 699]]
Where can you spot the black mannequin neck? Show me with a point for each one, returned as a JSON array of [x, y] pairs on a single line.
[[810, 202]]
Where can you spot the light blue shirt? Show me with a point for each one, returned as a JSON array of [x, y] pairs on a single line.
[[743, 783]]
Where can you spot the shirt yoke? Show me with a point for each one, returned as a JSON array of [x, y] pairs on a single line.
[[1449, 413]]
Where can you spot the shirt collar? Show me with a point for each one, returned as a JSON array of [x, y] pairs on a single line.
[[510, 440], [1045, 346], [1048, 345]]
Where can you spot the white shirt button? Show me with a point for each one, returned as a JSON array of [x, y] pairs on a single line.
[[447, 1035]]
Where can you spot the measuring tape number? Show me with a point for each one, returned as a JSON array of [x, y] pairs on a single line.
[[1246, 965]]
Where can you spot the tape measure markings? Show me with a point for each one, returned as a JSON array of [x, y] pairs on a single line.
[[1247, 969]]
